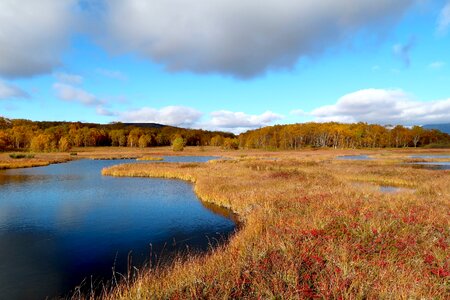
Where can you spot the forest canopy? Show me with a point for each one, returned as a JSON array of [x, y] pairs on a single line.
[[18, 134]]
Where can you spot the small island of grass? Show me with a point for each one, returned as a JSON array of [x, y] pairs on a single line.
[[150, 158]]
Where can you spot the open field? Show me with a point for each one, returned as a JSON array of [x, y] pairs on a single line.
[[313, 226]]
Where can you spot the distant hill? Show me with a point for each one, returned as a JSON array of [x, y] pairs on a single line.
[[442, 127], [145, 125]]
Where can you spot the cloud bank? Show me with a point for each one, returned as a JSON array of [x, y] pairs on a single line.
[[239, 121], [391, 106], [241, 38], [238, 38], [171, 115], [189, 117], [33, 34]]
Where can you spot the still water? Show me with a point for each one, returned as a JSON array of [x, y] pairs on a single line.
[[62, 223], [430, 156], [433, 165]]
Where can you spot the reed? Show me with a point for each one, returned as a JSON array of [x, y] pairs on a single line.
[[150, 158], [308, 231]]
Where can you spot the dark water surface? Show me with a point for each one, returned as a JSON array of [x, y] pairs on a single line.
[[433, 165], [62, 223]]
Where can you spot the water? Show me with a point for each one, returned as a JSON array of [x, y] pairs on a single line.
[[433, 165], [62, 223], [394, 190], [430, 156], [354, 157]]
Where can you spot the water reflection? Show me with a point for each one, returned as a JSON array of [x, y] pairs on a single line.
[[432, 165], [62, 223], [430, 156]]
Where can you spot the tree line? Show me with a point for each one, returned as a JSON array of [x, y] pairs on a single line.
[[21, 134], [62, 136], [338, 135]]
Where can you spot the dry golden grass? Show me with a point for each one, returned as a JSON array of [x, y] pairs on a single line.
[[151, 158], [39, 160], [310, 231]]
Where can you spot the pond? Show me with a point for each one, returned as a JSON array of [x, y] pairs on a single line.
[[429, 156], [62, 223], [432, 165], [354, 157]]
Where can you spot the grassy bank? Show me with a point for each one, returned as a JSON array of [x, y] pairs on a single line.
[[15, 161], [309, 230]]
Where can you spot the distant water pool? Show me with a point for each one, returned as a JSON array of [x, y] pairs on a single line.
[[430, 156], [432, 165], [62, 223]]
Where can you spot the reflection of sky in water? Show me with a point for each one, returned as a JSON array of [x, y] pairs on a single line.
[[62, 223], [430, 156], [433, 165]]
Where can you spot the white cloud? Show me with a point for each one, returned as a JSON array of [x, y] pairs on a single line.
[[33, 34], [69, 78], [381, 106], [444, 19], [169, 115], [112, 74], [8, 91], [188, 117], [241, 38], [239, 121], [436, 65], [70, 93]]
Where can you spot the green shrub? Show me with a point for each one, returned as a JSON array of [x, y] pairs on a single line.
[[21, 155], [178, 144], [437, 146]]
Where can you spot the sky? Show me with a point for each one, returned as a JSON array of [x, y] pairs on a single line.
[[226, 64]]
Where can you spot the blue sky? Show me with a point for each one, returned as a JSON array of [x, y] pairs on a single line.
[[225, 65]]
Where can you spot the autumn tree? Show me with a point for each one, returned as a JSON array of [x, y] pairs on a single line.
[[64, 144], [178, 144], [416, 133], [4, 141], [145, 140], [217, 141], [231, 143]]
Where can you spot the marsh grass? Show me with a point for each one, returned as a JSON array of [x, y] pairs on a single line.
[[14, 161], [307, 232], [21, 155], [150, 158]]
